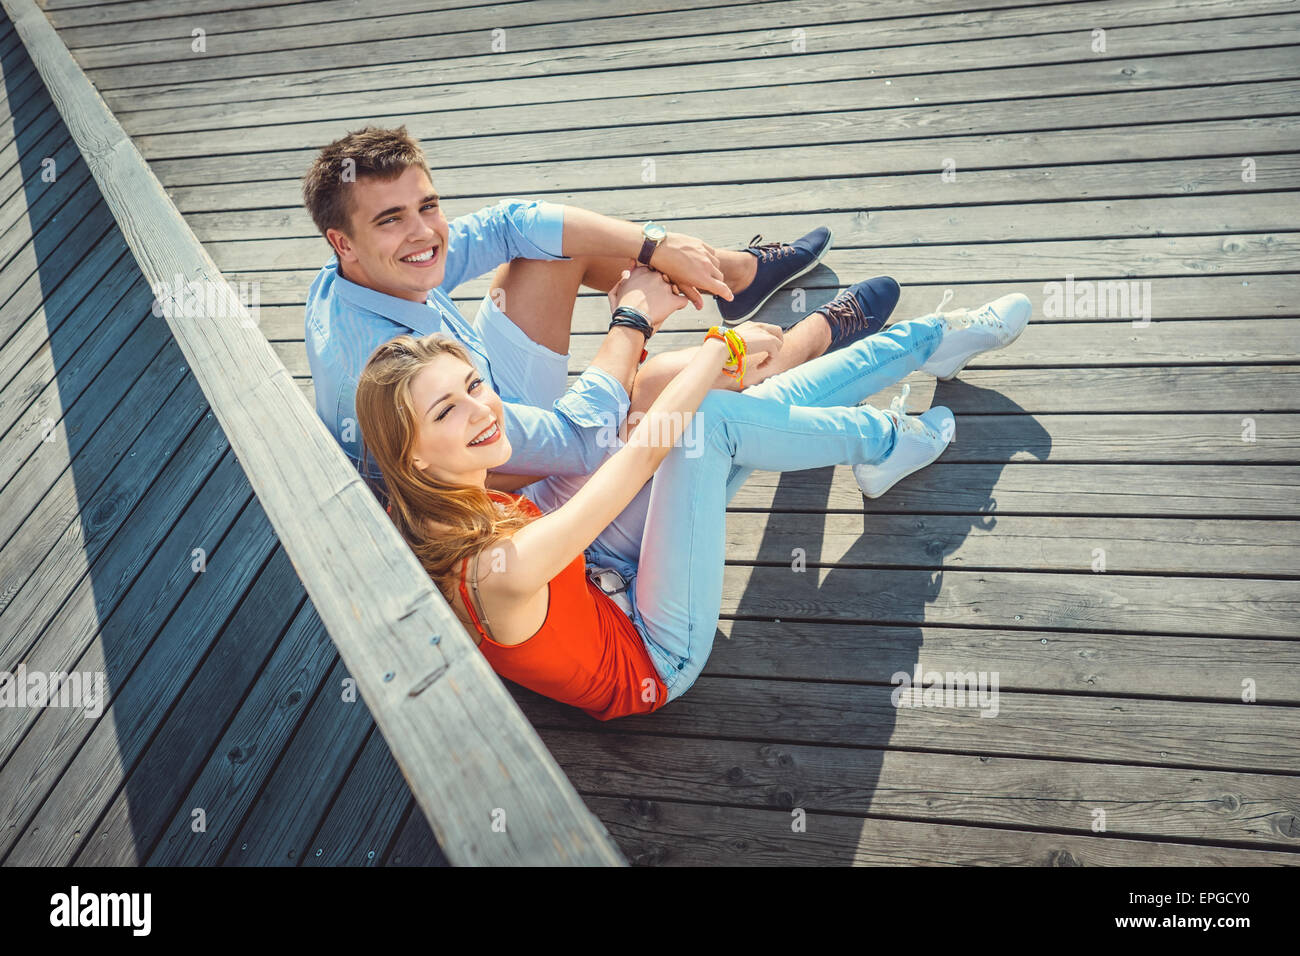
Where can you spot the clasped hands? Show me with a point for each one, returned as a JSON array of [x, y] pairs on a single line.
[[656, 294]]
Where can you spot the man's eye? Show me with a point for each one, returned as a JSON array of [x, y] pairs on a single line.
[[432, 205]]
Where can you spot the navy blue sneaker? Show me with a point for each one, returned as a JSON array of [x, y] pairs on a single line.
[[860, 310], [778, 263]]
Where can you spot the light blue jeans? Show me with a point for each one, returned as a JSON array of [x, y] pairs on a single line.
[[807, 417]]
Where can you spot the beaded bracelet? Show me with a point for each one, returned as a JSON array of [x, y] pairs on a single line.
[[735, 346]]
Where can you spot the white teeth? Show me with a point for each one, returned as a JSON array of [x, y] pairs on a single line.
[[422, 257], [491, 433]]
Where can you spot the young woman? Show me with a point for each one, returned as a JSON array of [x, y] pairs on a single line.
[[517, 577]]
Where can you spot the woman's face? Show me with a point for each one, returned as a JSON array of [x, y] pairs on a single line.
[[459, 431]]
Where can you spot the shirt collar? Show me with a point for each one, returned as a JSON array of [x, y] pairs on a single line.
[[423, 317]]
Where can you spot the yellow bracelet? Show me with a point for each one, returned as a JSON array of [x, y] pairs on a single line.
[[736, 347]]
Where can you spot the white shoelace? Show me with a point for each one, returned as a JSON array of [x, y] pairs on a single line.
[[898, 411], [965, 318]]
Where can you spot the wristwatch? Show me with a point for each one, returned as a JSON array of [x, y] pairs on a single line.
[[653, 234]]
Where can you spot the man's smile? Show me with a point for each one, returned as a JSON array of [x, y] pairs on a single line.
[[424, 257]]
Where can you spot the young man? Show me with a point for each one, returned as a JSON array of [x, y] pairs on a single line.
[[397, 258]]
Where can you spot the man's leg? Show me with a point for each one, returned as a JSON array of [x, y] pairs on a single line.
[[538, 295], [806, 340]]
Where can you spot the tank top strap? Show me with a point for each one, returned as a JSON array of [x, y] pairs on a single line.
[[469, 606]]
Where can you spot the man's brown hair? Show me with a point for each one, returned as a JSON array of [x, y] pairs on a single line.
[[381, 153]]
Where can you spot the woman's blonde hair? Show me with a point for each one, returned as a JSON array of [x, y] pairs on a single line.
[[443, 523]]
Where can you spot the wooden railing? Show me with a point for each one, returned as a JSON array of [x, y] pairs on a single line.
[[491, 791]]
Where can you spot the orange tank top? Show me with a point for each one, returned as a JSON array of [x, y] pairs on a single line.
[[587, 653]]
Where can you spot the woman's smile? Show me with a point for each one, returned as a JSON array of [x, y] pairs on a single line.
[[487, 436]]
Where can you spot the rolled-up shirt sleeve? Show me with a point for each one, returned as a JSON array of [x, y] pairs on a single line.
[[573, 436], [512, 229]]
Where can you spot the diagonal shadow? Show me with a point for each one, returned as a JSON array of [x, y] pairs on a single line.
[[884, 635]]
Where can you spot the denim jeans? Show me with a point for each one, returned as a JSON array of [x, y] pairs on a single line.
[[806, 417]]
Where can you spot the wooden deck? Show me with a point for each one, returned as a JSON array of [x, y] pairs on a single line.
[[1119, 691]]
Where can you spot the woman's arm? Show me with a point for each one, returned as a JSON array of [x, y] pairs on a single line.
[[538, 552]]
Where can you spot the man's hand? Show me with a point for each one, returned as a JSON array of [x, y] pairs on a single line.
[[692, 265], [762, 342], [646, 291]]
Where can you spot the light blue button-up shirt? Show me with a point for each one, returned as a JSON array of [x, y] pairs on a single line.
[[346, 322]]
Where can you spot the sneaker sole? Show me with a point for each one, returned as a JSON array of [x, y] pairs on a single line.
[[955, 372], [830, 240], [910, 471]]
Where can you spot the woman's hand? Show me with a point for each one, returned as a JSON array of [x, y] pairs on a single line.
[[646, 291], [762, 342]]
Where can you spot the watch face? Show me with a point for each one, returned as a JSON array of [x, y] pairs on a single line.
[[652, 230]]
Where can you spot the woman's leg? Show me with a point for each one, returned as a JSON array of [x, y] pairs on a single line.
[[678, 587], [849, 375], [842, 377]]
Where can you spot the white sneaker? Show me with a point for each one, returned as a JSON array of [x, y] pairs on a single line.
[[972, 331], [918, 442]]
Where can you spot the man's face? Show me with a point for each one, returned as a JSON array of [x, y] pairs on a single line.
[[397, 239]]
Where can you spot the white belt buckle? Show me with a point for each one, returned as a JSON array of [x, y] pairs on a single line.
[[612, 584]]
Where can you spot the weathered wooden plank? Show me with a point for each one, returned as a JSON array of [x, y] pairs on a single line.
[[80, 13], [241, 761], [57, 482], [1153, 802], [112, 747], [415, 845], [294, 798], [366, 813], [190, 742], [285, 237], [21, 183], [48, 259], [52, 422], [1005, 264], [104, 504], [41, 759], [691, 62], [1164, 665], [1041, 543], [825, 35], [1203, 297], [1213, 491], [378, 604], [1160, 733], [459, 114], [127, 65], [128, 593], [1079, 347], [1200, 606], [1247, 109], [664, 833], [100, 260]]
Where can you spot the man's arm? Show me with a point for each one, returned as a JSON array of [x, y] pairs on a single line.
[[511, 229], [536, 229], [689, 262]]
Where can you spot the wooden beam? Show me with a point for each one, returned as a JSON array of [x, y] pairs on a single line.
[[471, 758]]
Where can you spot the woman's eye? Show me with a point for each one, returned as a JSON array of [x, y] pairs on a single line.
[[444, 413], [475, 384]]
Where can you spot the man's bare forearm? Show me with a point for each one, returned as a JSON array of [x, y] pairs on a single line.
[[588, 233]]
